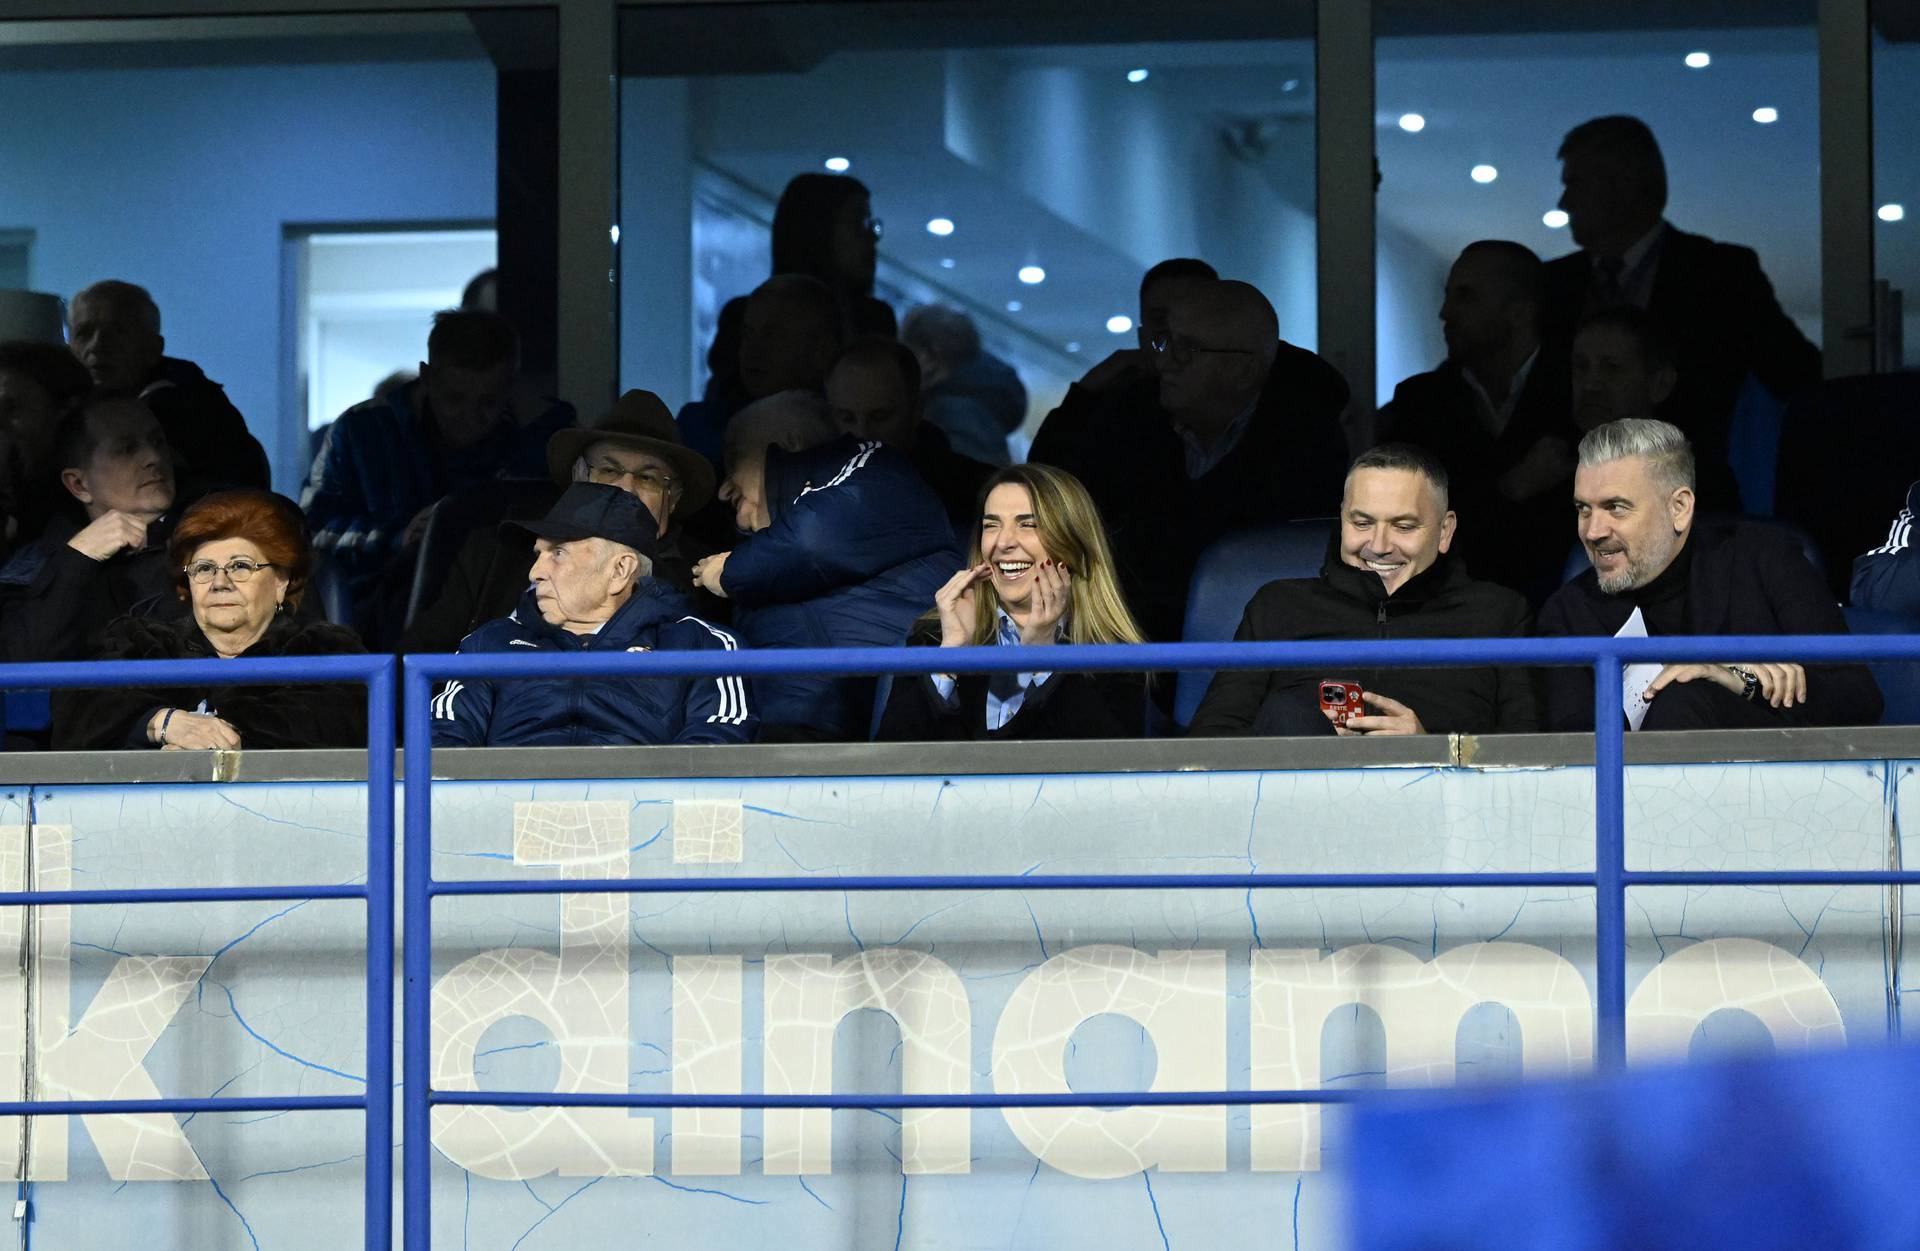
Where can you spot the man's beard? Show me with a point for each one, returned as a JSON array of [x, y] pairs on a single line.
[[1639, 569]]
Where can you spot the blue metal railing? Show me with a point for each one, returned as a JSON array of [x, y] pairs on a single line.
[[378, 673], [1609, 879]]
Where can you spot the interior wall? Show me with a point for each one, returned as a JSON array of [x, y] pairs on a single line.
[[181, 180]]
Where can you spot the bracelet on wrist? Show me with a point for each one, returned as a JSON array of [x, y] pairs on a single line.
[[165, 718]]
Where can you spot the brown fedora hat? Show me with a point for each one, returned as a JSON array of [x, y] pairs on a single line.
[[638, 420]]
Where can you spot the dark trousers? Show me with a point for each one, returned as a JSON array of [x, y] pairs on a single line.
[[1291, 714], [1704, 705]]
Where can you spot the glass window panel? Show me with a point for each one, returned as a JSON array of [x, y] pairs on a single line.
[[1085, 150], [208, 159]]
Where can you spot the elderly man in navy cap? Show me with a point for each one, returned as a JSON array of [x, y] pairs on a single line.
[[593, 590]]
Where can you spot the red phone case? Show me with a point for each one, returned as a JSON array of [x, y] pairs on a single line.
[[1342, 699]]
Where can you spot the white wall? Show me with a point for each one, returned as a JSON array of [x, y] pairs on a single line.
[[181, 180], [656, 238]]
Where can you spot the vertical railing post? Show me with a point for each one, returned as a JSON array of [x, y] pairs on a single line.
[[417, 839], [379, 1118], [1609, 863]]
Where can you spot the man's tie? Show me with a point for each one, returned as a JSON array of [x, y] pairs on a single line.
[[1606, 282]]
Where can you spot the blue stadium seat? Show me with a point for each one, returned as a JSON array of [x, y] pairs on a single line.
[[328, 585], [1225, 578], [1899, 680]]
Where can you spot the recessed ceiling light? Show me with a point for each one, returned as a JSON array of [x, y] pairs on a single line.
[[946, 262], [1483, 173], [1032, 275], [839, 164], [1698, 60], [941, 226], [1137, 75], [1119, 323], [1014, 306], [1074, 346], [615, 234], [1412, 123], [1553, 219], [1893, 212], [1766, 116], [1292, 84]]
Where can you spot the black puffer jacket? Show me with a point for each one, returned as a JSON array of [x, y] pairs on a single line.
[[334, 715], [1344, 602]]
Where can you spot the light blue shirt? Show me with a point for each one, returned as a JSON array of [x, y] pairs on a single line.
[[1202, 461], [1006, 692]]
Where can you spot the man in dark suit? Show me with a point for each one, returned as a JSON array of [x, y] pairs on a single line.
[[1725, 319], [1235, 428], [1659, 570], [1495, 415]]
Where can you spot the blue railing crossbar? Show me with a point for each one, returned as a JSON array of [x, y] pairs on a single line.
[[1158, 657], [903, 1101], [379, 675], [917, 884], [184, 894], [222, 1103]]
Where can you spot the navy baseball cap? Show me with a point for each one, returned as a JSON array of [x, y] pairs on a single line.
[[595, 510]]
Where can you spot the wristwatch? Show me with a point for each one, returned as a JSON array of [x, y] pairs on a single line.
[[1750, 683]]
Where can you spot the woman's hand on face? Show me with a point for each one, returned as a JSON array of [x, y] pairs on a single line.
[[1052, 595], [199, 731], [959, 605]]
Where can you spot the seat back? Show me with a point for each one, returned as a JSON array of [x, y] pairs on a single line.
[[1226, 577], [456, 517], [1899, 680], [1848, 449], [328, 586]]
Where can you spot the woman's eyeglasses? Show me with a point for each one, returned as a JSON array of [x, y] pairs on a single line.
[[238, 570]]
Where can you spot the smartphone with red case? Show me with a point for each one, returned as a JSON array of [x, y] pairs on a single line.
[[1342, 699]]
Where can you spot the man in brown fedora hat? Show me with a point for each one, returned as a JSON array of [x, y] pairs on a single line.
[[636, 447]]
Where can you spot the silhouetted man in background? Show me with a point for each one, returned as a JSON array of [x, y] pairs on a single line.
[[386, 462], [114, 329], [1234, 428], [1495, 414], [873, 391], [1725, 319], [1622, 367], [791, 328], [973, 396]]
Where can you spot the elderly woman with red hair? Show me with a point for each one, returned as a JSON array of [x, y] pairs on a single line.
[[241, 560]]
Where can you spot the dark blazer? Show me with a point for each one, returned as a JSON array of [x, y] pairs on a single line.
[[1745, 579], [208, 435], [1522, 544], [1066, 705], [1120, 444], [955, 478], [1726, 324], [334, 715]]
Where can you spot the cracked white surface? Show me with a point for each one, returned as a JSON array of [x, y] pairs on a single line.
[[280, 1010]]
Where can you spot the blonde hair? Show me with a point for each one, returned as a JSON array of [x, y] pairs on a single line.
[[1071, 529]]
